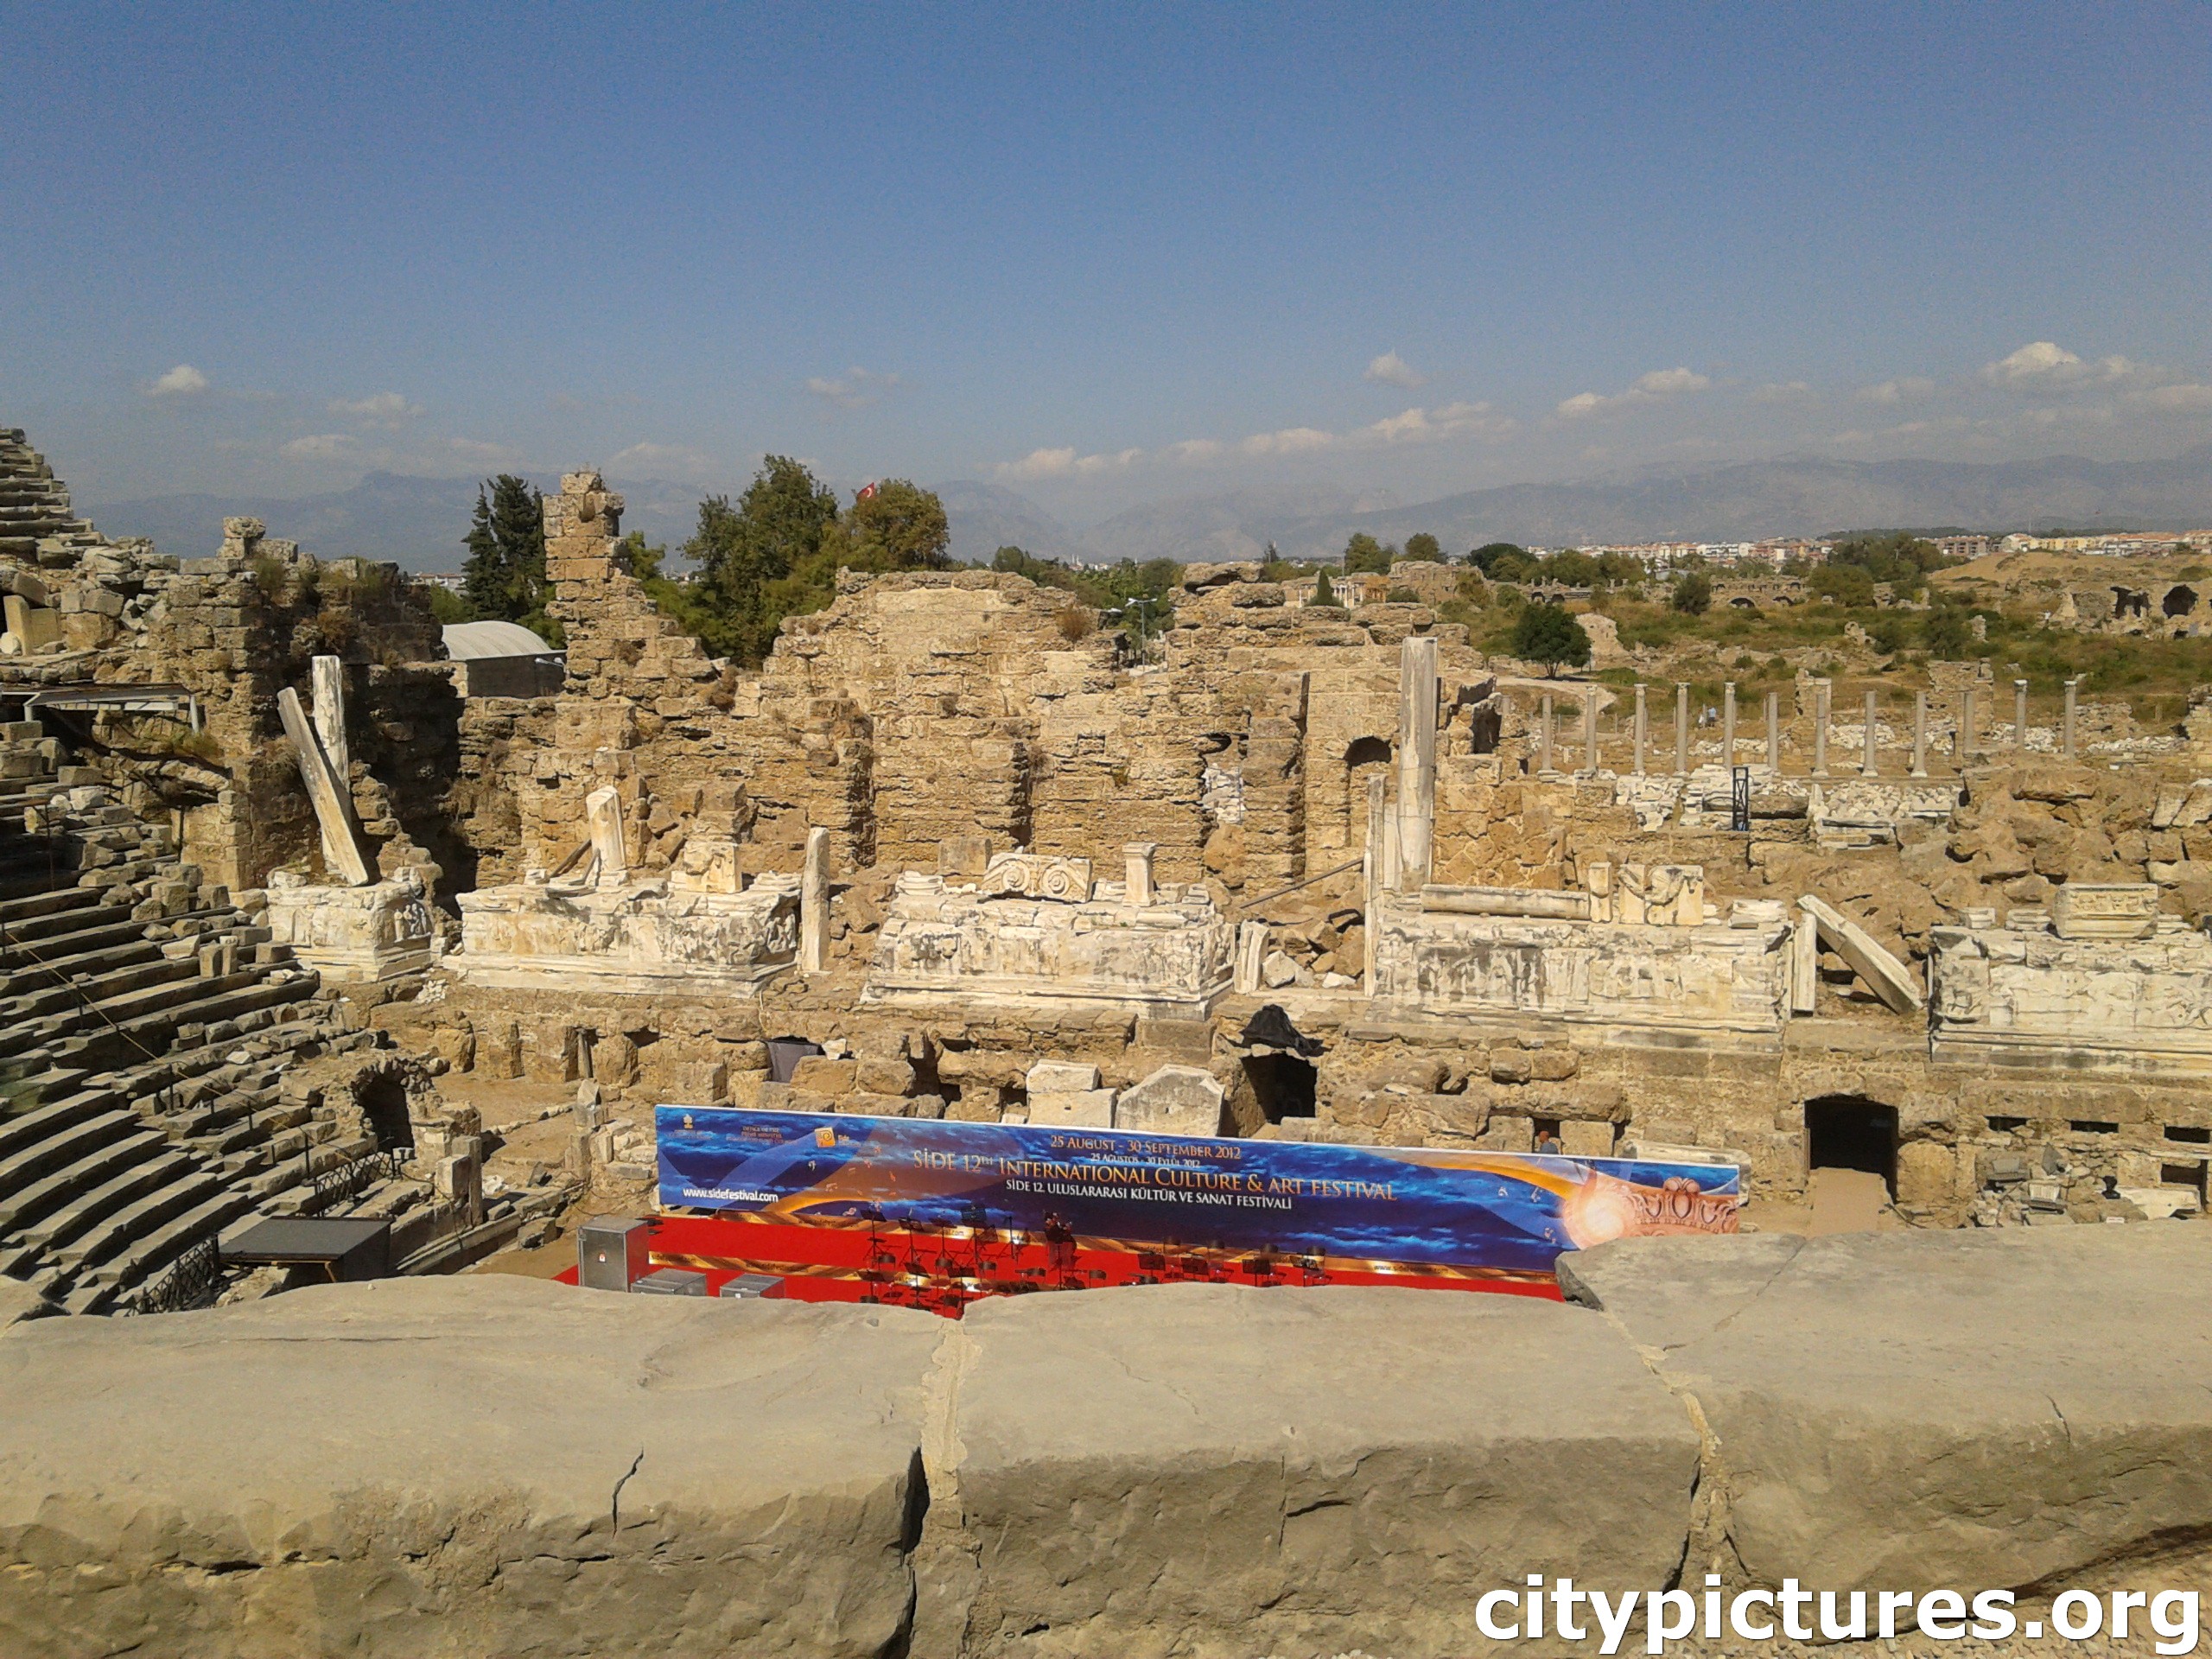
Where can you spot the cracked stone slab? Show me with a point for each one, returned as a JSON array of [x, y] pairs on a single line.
[[1215, 1470], [478, 1465], [1912, 1410]]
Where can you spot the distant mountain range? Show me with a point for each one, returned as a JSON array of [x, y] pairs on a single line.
[[419, 522]]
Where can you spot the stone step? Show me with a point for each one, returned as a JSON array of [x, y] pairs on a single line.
[[115, 1233], [229, 995], [30, 990], [122, 996], [23, 1172], [147, 1256], [41, 904], [31, 1127], [64, 932], [121, 1167]]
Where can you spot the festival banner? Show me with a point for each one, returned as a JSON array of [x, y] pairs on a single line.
[[1351, 1213]]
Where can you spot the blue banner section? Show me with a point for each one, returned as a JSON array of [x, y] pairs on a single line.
[[1428, 1207]]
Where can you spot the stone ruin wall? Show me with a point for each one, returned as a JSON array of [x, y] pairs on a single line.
[[920, 708], [233, 630]]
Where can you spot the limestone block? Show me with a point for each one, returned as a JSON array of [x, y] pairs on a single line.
[[1261, 1471], [1278, 971], [2081, 910], [1090, 1109], [1552, 1064], [885, 1077], [1975, 1406], [1580, 1137], [1060, 1078], [818, 1074], [1886, 976], [756, 1499], [1173, 1100]]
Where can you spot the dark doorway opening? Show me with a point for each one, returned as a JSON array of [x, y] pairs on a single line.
[[384, 1109], [1851, 1132], [1282, 1084], [2179, 601]]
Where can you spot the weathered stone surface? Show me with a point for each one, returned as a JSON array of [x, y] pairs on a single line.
[[1921, 1408], [2026, 995], [474, 1465], [19, 1302], [1169, 957], [1173, 1100], [1207, 1470], [1886, 976], [1434, 953], [353, 934]]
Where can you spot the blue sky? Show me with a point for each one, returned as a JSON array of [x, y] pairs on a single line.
[[1100, 254]]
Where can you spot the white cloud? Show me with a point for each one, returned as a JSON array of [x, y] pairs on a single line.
[[1291, 441], [2040, 363], [2186, 398], [1781, 392], [1195, 452], [1665, 383], [320, 446], [660, 461], [1066, 463], [489, 453], [1659, 384], [182, 381], [1906, 389], [855, 389], [380, 409], [2044, 365], [1391, 370], [1446, 421]]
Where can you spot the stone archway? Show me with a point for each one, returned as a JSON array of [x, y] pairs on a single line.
[[1850, 1132]]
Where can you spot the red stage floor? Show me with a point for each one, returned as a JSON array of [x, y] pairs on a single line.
[[943, 1271]]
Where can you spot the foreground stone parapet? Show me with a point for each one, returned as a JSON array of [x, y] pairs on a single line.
[[458, 1466], [1217, 1469], [1912, 1410]]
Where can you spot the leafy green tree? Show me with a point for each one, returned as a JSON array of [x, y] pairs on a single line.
[[1847, 584], [749, 554], [1901, 560], [1324, 593], [1692, 594], [1422, 545], [1362, 553], [1547, 634], [1574, 567], [1471, 587], [1622, 569], [1947, 630], [450, 608], [503, 579], [893, 526], [1503, 561]]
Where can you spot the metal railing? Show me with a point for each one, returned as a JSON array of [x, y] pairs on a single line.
[[194, 1279]]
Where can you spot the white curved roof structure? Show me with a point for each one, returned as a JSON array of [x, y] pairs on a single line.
[[474, 641]]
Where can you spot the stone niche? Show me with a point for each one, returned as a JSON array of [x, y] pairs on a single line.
[[354, 935], [1642, 949], [1042, 932], [2100, 981]]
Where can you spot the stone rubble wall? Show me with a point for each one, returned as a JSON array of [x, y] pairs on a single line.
[[1232, 1471]]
